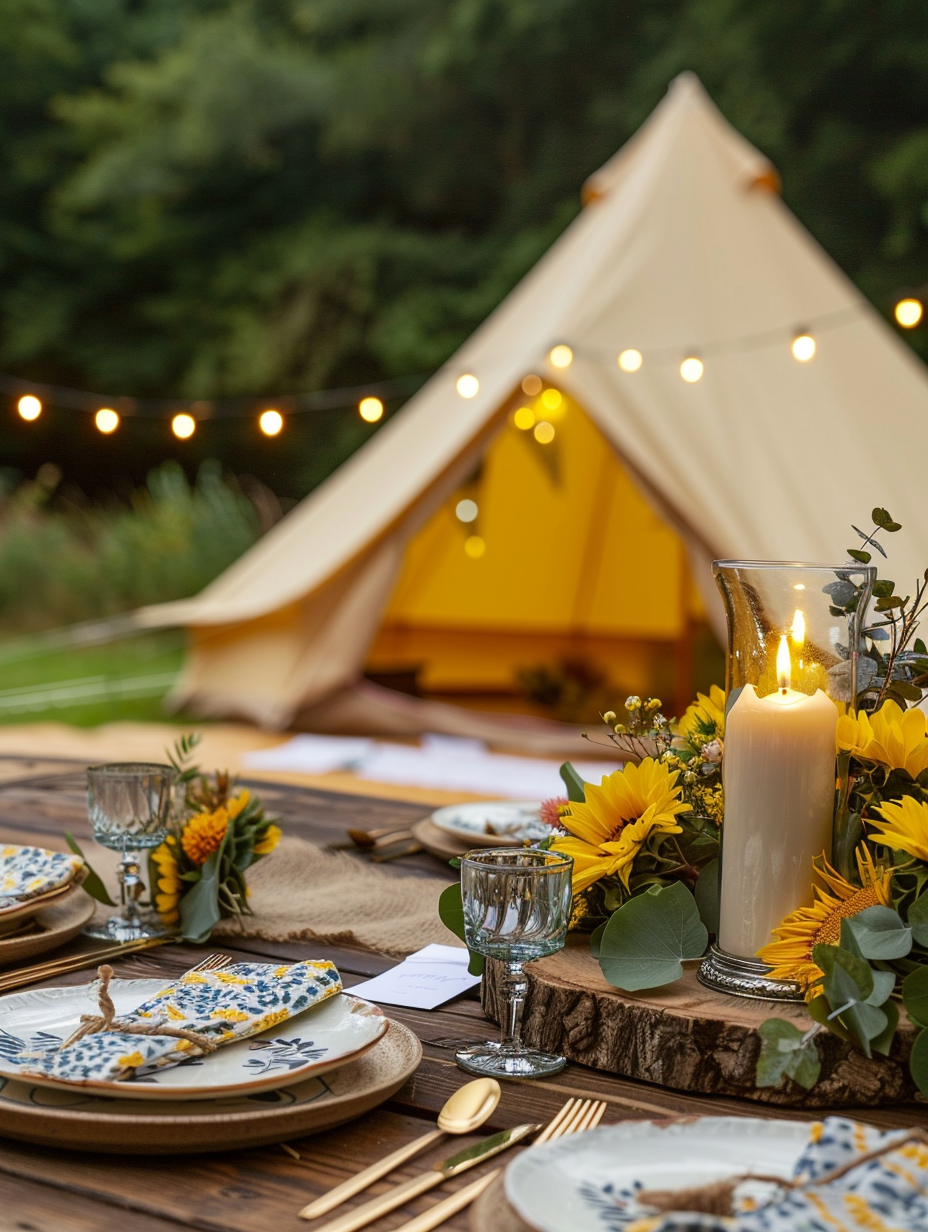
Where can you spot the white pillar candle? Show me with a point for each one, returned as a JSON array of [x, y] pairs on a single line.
[[779, 779]]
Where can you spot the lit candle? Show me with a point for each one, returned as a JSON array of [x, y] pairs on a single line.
[[779, 779]]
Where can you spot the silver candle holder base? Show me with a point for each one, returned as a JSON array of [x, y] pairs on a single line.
[[744, 977]]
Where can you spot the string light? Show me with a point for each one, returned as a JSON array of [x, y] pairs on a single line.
[[803, 347], [467, 385], [524, 418], [908, 311], [370, 409], [107, 420], [692, 369], [532, 384], [561, 356], [630, 360], [270, 422], [474, 546], [29, 407], [183, 426], [544, 432], [551, 399], [466, 511]]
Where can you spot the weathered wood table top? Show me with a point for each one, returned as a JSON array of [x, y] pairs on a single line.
[[261, 1189]]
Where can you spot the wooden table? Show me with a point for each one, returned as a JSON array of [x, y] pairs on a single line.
[[261, 1190]]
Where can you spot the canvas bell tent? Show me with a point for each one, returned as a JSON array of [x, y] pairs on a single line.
[[602, 488]]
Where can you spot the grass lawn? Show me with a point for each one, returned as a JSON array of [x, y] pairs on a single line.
[[88, 685]]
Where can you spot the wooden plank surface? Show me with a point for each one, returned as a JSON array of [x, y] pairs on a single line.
[[262, 1189]]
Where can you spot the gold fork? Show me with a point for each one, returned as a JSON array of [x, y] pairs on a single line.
[[213, 962], [575, 1117]]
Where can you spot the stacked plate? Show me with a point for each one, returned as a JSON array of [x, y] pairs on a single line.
[[451, 831], [39, 909], [318, 1069]]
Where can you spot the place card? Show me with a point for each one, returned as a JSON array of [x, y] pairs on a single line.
[[424, 980]]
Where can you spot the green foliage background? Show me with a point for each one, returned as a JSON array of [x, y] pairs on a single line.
[[245, 196]]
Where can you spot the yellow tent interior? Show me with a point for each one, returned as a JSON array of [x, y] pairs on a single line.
[[565, 567]]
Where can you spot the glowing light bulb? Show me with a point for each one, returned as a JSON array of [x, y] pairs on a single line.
[[371, 409], [107, 420], [183, 426], [909, 311], [270, 422], [524, 418], [466, 511], [803, 348], [467, 385], [561, 356], [798, 628], [784, 666], [692, 369], [544, 433], [474, 546], [531, 385], [551, 399], [630, 360], [29, 407]]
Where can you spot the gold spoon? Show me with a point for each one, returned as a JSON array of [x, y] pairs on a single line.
[[466, 1110]]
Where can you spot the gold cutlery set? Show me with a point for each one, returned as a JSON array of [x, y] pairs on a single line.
[[575, 1117], [33, 974]]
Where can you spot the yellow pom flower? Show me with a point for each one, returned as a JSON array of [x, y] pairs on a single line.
[[203, 834], [891, 736], [617, 818], [790, 955], [168, 884], [269, 841], [702, 714], [904, 828]]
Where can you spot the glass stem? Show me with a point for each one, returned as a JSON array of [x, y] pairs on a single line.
[[130, 885], [511, 1022]]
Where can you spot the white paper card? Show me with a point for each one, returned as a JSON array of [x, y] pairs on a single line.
[[424, 980]]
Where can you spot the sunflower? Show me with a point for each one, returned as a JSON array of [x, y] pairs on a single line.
[[617, 818], [704, 719], [904, 828], [790, 955], [168, 884], [270, 840], [896, 738]]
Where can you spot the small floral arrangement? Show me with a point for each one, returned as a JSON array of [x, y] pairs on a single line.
[[217, 832]]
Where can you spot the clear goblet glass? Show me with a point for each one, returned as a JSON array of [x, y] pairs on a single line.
[[516, 908], [129, 805]]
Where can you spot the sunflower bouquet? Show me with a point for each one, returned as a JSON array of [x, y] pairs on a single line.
[[217, 832]]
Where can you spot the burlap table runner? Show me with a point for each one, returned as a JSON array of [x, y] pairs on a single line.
[[304, 893]]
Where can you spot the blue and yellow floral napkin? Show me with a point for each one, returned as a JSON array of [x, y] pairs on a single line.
[[226, 1005], [27, 872], [888, 1194]]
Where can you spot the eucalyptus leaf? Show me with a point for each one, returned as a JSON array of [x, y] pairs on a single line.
[[882, 588], [706, 894], [880, 933], [917, 914], [918, 1062], [784, 1054], [199, 907], [848, 985], [451, 913], [883, 1042], [859, 555], [884, 521], [93, 882], [915, 996], [820, 1010], [646, 941], [596, 937], [883, 984], [576, 788]]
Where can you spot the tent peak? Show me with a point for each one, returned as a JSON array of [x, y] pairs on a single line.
[[686, 102]]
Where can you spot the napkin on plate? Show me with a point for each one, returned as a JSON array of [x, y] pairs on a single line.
[[27, 872], [888, 1193], [224, 1006]]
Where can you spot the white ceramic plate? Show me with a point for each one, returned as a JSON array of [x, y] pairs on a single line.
[[515, 820], [588, 1183], [312, 1043]]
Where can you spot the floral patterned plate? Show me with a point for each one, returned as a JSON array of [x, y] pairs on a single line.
[[588, 1183], [312, 1043]]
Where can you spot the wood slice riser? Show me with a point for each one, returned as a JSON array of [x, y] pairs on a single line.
[[688, 1037]]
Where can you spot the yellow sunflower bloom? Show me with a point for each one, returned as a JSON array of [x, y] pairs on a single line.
[[904, 828], [617, 818], [203, 833], [702, 713], [269, 842], [790, 955], [168, 884], [896, 738], [237, 803]]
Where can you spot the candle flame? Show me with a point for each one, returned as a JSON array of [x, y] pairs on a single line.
[[784, 666], [798, 628]]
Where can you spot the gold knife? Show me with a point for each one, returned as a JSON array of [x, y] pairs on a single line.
[[400, 1194], [77, 962]]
